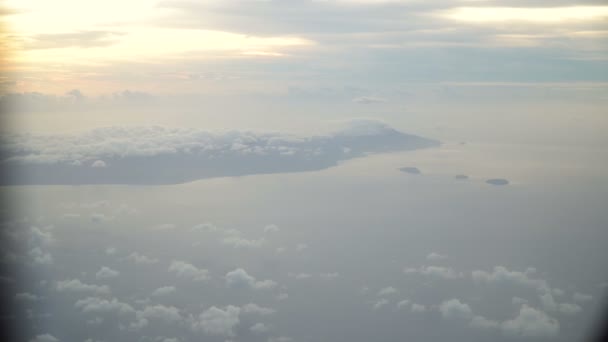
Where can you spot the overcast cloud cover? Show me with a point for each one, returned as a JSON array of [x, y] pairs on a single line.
[[303, 170]]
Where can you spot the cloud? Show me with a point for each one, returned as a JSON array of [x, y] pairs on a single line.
[[141, 259], [259, 328], [216, 321], [368, 100], [97, 305], [436, 256], [301, 247], [185, 270], [380, 303], [120, 155], [501, 274], [582, 297], [387, 291], [418, 308], [106, 273], [454, 308], [532, 323], [26, 297], [45, 338], [403, 304], [252, 308], [163, 291], [239, 278], [82, 39], [75, 285], [434, 271], [271, 228], [169, 314], [482, 323], [537, 15]]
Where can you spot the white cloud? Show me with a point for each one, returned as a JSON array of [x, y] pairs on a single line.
[[403, 304], [216, 321], [75, 285], [301, 247], [44, 338], [418, 308], [531, 322], [479, 322], [169, 314], [141, 259], [434, 271], [387, 291], [106, 273], [185, 270], [271, 228], [300, 275], [103, 306], [99, 164], [118, 147], [239, 242], [163, 291], [436, 256], [454, 308], [252, 308], [380, 303], [259, 328], [239, 278], [41, 257], [519, 301], [501, 274], [537, 15]]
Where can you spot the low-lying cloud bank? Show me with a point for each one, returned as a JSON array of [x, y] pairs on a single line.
[[158, 155]]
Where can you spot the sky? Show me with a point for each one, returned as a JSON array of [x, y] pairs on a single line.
[[303, 170]]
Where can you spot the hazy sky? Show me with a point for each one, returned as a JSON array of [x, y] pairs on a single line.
[[322, 170]]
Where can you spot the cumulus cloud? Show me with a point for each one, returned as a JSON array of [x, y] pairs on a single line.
[[106, 273], [97, 305], [403, 304], [169, 314], [117, 154], [259, 328], [501, 274], [531, 322], [434, 271], [380, 303], [454, 308], [418, 308], [216, 321], [185, 270], [252, 308], [239, 278], [75, 285], [436, 256], [271, 228], [141, 259], [387, 291], [163, 291]]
